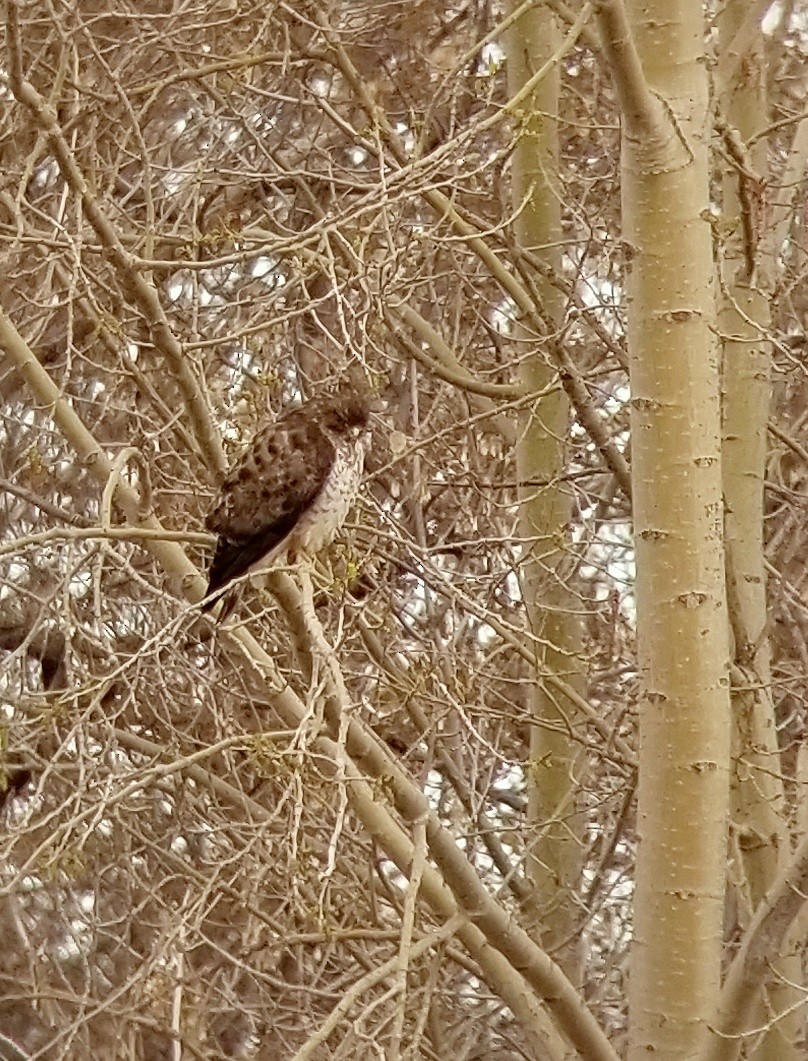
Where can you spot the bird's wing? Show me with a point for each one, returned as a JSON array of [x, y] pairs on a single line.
[[266, 493]]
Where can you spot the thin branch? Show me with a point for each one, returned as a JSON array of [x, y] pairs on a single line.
[[114, 534], [795, 447], [760, 947], [367, 982], [93, 457], [144, 293], [643, 113], [591, 419], [446, 365], [42, 503], [506, 953]]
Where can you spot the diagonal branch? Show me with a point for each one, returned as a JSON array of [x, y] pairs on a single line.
[[445, 363], [760, 947], [514, 965], [647, 121], [94, 458]]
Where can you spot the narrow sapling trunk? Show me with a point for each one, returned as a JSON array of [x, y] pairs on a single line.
[[554, 827]]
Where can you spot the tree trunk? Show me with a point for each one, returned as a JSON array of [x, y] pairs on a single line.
[[681, 610], [758, 802], [554, 825]]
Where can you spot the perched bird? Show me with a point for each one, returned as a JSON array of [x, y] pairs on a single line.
[[291, 489]]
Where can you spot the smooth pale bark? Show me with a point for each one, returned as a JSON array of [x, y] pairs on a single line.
[[554, 825], [678, 515], [744, 321], [758, 801]]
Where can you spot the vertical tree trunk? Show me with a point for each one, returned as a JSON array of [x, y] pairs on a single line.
[[744, 321], [554, 856], [681, 610]]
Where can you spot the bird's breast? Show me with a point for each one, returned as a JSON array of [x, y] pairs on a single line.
[[328, 511]]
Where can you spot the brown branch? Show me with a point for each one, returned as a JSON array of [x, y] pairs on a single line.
[[590, 418], [42, 503], [508, 956], [751, 188], [95, 460], [795, 446], [446, 365], [760, 947], [113, 534]]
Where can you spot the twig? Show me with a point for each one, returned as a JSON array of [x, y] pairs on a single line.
[[144, 293]]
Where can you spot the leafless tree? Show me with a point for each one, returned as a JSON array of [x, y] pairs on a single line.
[[305, 834]]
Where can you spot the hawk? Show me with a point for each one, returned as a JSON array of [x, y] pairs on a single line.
[[291, 490]]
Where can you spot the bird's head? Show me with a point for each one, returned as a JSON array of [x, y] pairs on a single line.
[[346, 410]]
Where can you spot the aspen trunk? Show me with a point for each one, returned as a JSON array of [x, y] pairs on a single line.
[[758, 803], [554, 848], [678, 517]]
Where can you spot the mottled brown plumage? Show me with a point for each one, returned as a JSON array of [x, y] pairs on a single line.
[[291, 489]]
